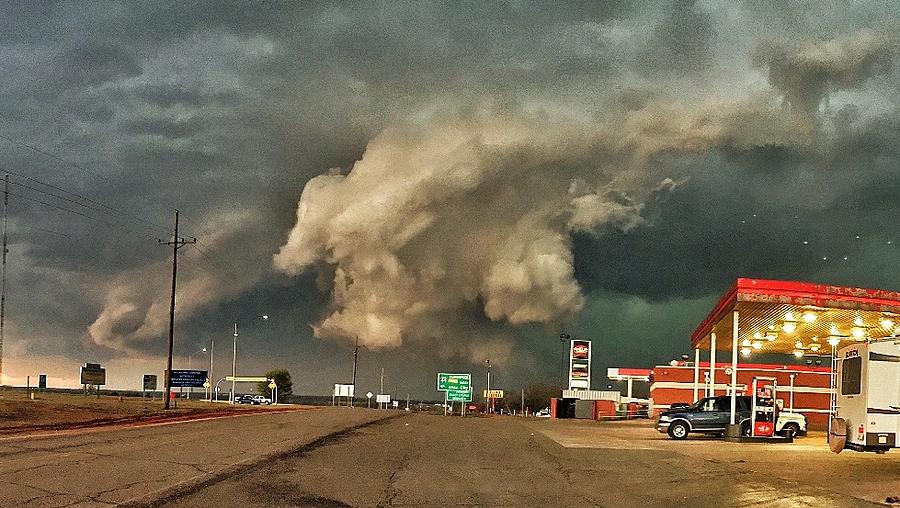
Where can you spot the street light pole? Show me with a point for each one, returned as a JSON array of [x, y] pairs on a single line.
[[209, 376], [563, 338], [233, 362], [487, 393], [234, 354], [190, 356]]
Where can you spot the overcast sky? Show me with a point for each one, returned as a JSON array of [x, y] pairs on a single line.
[[449, 182]]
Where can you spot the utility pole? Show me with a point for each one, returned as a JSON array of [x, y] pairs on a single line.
[[3, 276], [381, 391], [355, 355], [176, 243]]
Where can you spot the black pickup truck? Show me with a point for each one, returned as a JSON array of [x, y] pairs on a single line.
[[711, 415]]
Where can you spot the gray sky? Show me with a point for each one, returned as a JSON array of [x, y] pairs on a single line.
[[471, 179]]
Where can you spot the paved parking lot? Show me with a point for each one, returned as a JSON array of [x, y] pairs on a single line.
[[807, 461]]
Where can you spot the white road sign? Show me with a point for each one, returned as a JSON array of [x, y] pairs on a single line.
[[369, 395]]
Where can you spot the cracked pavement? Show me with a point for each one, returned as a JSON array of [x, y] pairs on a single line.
[[431, 460], [338, 457], [140, 464]]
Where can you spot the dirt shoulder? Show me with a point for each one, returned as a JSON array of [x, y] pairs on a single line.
[[63, 411]]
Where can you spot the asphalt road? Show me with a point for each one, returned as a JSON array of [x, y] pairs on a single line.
[[423, 460], [107, 467], [356, 457]]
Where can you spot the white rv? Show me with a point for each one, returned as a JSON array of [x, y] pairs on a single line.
[[867, 415]]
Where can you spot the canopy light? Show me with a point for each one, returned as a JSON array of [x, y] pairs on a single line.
[[789, 316], [858, 332], [833, 341], [745, 342], [770, 336], [789, 327], [858, 321], [798, 353], [810, 316], [757, 344], [757, 336], [834, 330], [745, 351], [814, 346], [887, 323], [798, 345]]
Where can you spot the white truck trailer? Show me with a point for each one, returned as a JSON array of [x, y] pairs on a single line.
[[867, 413]]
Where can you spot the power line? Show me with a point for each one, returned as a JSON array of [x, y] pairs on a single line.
[[75, 212], [53, 156], [84, 198]]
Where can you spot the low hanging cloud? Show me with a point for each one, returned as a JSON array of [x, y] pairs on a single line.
[[456, 214], [806, 72]]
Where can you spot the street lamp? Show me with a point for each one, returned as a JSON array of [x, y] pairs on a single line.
[[563, 339], [191, 388], [264, 317], [487, 393]]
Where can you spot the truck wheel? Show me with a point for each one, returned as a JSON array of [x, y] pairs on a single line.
[[790, 430], [678, 430], [745, 429]]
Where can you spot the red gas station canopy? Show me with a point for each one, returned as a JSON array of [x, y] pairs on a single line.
[[785, 316]]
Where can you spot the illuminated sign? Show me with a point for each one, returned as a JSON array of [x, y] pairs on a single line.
[[580, 365]]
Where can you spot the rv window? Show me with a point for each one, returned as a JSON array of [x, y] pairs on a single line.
[[851, 372]]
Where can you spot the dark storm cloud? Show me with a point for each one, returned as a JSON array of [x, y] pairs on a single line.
[[681, 41], [806, 72], [642, 139]]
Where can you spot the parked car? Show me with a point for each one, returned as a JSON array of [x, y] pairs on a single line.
[[261, 399], [543, 413], [245, 399], [711, 415]]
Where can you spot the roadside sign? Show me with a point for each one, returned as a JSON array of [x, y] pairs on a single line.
[[42, 381], [206, 384], [383, 398], [93, 374], [447, 381], [369, 395], [187, 378], [459, 395], [493, 394], [396, 404], [150, 382], [272, 385], [247, 379], [344, 390]]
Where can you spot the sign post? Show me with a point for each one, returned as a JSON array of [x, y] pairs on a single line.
[[456, 388], [580, 365], [369, 400]]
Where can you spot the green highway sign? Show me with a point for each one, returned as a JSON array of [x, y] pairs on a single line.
[[454, 382], [459, 395]]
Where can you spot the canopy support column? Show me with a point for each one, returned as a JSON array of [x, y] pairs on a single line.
[[734, 361], [696, 373], [712, 364]]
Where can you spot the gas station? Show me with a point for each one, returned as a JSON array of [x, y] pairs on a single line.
[[768, 317]]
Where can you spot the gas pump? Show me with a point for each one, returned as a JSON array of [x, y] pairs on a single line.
[[762, 410]]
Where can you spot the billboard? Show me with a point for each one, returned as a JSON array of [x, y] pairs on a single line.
[[150, 382], [42, 381], [182, 378], [580, 365], [93, 374]]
